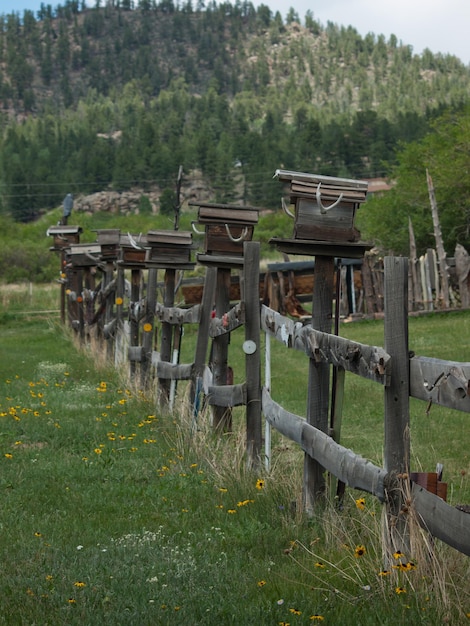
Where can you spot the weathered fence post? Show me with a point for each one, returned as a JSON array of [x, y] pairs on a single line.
[[221, 415], [134, 315], [108, 278], [166, 334], [397, 415], [319, 376], [202, 341], [148, 327], [252, 351], [119, 302]]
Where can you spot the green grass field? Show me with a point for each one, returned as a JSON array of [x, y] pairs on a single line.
[[114, 513]]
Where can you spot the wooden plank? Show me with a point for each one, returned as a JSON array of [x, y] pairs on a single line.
[[318, 393], [221, 414], [441, 253], [136, 280], [233, 215], [171, 237], [175, 315], [397, 410], [350, 468], [462, 267], [369, 362], [172, 371], [446, 383], [108, 236], [203, 336], [252, 354], [135, 354], [442, 520], [148, 330], [288, 175], [223, 206], [227, 395], [310, 247], [221, 260], [229, 321], [166, 335]]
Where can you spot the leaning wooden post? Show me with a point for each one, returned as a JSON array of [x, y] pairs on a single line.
[[202, 342], [109, 308], [221, 415], [397, 414], [119, 302], [148, 327], [134, 317], [319, 376], [167, 334], [251, 348], [441, 253]]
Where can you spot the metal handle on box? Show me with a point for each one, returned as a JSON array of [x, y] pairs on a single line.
[[198, 232], [242, 237], [286, 209], [324, 209]]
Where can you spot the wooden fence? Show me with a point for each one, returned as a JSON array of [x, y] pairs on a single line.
[[442, 382]]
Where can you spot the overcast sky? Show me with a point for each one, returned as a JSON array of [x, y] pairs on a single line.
[[440, 25]]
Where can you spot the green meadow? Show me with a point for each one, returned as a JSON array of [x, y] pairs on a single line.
[[115, 512]]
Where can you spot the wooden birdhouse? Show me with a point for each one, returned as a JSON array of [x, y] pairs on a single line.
[[227, 227], [63, 236], [169, 248], [133, 249], [108, 238], [84, 254], [324, 207]]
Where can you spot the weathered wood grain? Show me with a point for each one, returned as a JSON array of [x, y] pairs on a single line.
[[252, 357], [231, 320], [176, 315], [446, 383], [350, 468], [227, 395], [370, 362], [442, 520], [172, 371]]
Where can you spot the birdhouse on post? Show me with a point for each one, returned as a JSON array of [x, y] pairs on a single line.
[[63, 236], [167, 249], [324, 207], [226, 228], [108, 239], [83, 255], [133, 249]]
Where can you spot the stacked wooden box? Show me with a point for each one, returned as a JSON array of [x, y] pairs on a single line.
[[108, 238], [133, 250], [325, 206], [63, 236], [84, 254], [168, 248], [227, 227]]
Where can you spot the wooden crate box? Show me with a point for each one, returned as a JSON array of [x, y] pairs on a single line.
[[63, 235], [227, 227], [133, 249], [169, 247], [324, 206], [84, 254], [109, 238]]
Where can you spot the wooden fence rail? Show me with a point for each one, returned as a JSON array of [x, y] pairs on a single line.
[[444, 382], [432, 380]]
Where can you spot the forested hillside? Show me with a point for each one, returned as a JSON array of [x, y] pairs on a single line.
[[121, 95]]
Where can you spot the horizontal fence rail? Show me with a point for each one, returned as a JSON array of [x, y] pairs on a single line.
[[367, 361], [446, 383], [350, 468]]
